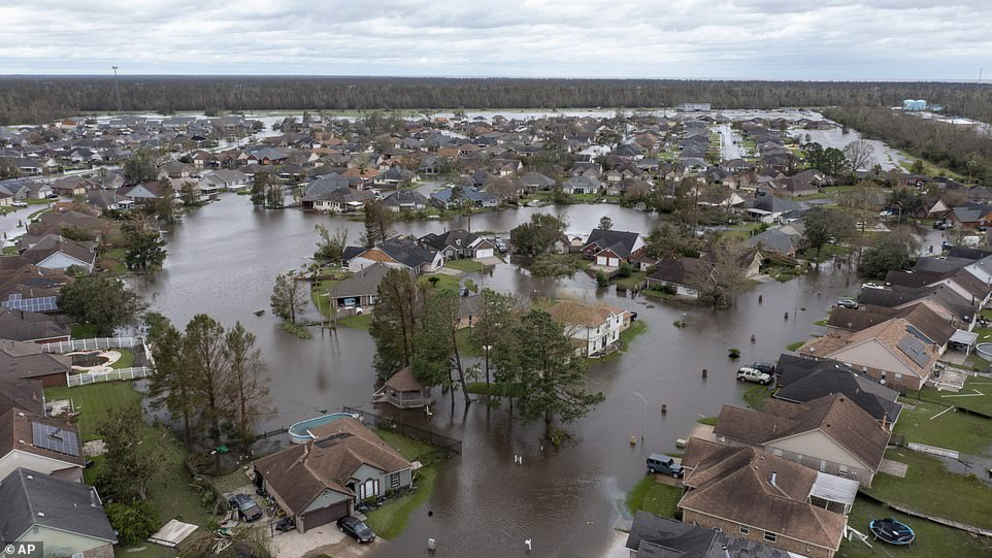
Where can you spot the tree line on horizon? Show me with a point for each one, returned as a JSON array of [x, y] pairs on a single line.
[[41, 99]]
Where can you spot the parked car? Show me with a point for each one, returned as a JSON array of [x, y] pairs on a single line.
[[500, 245], [848, 303], [248, 510], [285, 524], [664, 464], [942, 225], [19, 204], [872, 286], [766, 367], [353, 527], [749, 374]]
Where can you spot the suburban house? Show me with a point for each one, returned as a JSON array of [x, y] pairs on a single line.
[[774, 240], [20, 360], [802, 380], [72, 186], [770, 209], [403, 391], [652, 536], [609, 247], [399, 252], [320, 481], [894, 353], [146, 192], [66, 517], [405, 200], [53, 252], [360, 290], [39, 443], [108, 200], [28, 395], [468, 311], [469, 196], [760, 497], [594, 328], [685, 275], [19, 325], [581, 184], [460, 244], [322, 196], [831, 434], [971, 216], [224, 179]]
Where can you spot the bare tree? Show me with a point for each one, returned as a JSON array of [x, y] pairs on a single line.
[[247, 387], [289, 297], [860, 154]]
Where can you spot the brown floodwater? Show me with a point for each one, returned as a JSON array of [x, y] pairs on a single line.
[[223, 260]]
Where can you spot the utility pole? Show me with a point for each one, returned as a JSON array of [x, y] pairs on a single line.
[[117, 89]]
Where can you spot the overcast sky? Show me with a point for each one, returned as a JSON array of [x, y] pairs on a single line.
[[766, 39]]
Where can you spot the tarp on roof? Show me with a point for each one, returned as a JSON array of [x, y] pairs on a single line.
[[835, 489], [964, 337]]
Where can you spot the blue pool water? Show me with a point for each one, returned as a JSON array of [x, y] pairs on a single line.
[[298, 432]]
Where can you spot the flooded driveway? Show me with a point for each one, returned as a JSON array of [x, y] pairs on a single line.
[[223, 259]]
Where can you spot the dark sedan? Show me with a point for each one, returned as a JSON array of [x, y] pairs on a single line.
[[356, 528], [248, 510]]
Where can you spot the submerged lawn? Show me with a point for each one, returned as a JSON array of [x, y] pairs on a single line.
[[389, 520], [654, 497]]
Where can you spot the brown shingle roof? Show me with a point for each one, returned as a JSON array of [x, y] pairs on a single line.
[[576, 313], [297, 475], [734, 484], [15, 428], [404, 381], [26, 360], [836, 416]]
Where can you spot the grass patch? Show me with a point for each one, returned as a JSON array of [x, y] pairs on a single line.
[[708, 421], [963, 432], [296, 329], [35, 215], [635, 280], [495, 390], [931, 539], [463, 337], [972, 385], [930, 488], [9, 251], [755, 397], [389, 521], [94, 402], [657, 293], [652, 496], [358, 321], [794, 346], [466, 265], [636, 328], [83, 331], [231, 481], [319, 295], [410, 449], [126, 360], [443, 281]]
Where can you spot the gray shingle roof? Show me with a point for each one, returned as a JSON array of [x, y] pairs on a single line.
[[29, 498]]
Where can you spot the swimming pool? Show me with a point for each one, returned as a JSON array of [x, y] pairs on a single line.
[[298, 432]]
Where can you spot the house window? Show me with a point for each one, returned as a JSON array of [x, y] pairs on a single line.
[[843, 470], [370, 489], [799, 458], [777, 452], [823, 466], [769, 536], [394, 481], [745, 530], [898, 376], [77, 555]]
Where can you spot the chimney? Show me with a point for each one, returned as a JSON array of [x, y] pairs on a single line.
[[726, 552], [774, 477]]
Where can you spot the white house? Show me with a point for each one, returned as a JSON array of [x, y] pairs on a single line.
[[594, 328]]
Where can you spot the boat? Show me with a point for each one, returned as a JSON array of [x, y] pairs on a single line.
[[892, 531]]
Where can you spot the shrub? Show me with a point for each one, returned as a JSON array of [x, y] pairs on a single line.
[[602, 279], [626, 270], [133, 523]]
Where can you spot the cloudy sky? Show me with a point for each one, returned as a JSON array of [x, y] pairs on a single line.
[[766, 39]]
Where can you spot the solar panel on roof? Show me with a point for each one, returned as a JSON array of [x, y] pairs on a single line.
[[918, 334], [914, 349], [43, 304], [54, 439]]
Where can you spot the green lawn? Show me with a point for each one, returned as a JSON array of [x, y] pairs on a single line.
[[794, 346], [83, 331], [963, 432], [978, 392], [467, 265], [629, 283], [464, 339], [709, 421], [94, 401], [318, 294], [231, 481], [636, 328], [930, 488], [932, 540], [654, 497], [126, 360], [389, 520], [358, 321], [443, 281]]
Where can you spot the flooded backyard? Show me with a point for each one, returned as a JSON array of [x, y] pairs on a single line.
[[223, 260]]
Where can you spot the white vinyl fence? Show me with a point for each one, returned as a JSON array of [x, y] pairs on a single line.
[[94, 344], [133, 373]]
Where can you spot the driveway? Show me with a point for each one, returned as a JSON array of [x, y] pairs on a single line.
[[326, 539]]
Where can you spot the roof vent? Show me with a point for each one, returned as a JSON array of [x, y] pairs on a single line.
[[29, 477], [41, 514], [20, 414]]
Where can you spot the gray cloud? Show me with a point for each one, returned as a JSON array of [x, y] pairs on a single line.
[[767, 39]]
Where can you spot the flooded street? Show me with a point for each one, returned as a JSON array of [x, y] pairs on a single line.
[[884, 155], [223, 260]]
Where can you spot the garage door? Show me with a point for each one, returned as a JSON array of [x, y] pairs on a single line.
[[485, 253], [324, 516], [614, 262]]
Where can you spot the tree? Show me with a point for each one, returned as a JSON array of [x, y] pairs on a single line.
[[551, 373], [274, 197], [145, 248], [726, 278], [502, 187], [860, 154], [605, 223], [189, 194], [204, 357], [247, 387], [103, 301], [830, 161], [435, 347], [140, 167], [909, 203], [918, 167], [289, 297], [163, 208], [378, 223], [665, 241], [825, 225], [395, 321], [133, 523], [493, 326], [893, 251], [330, 247], [259, 187], [130, 468], [172, 384], [537, 236]]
